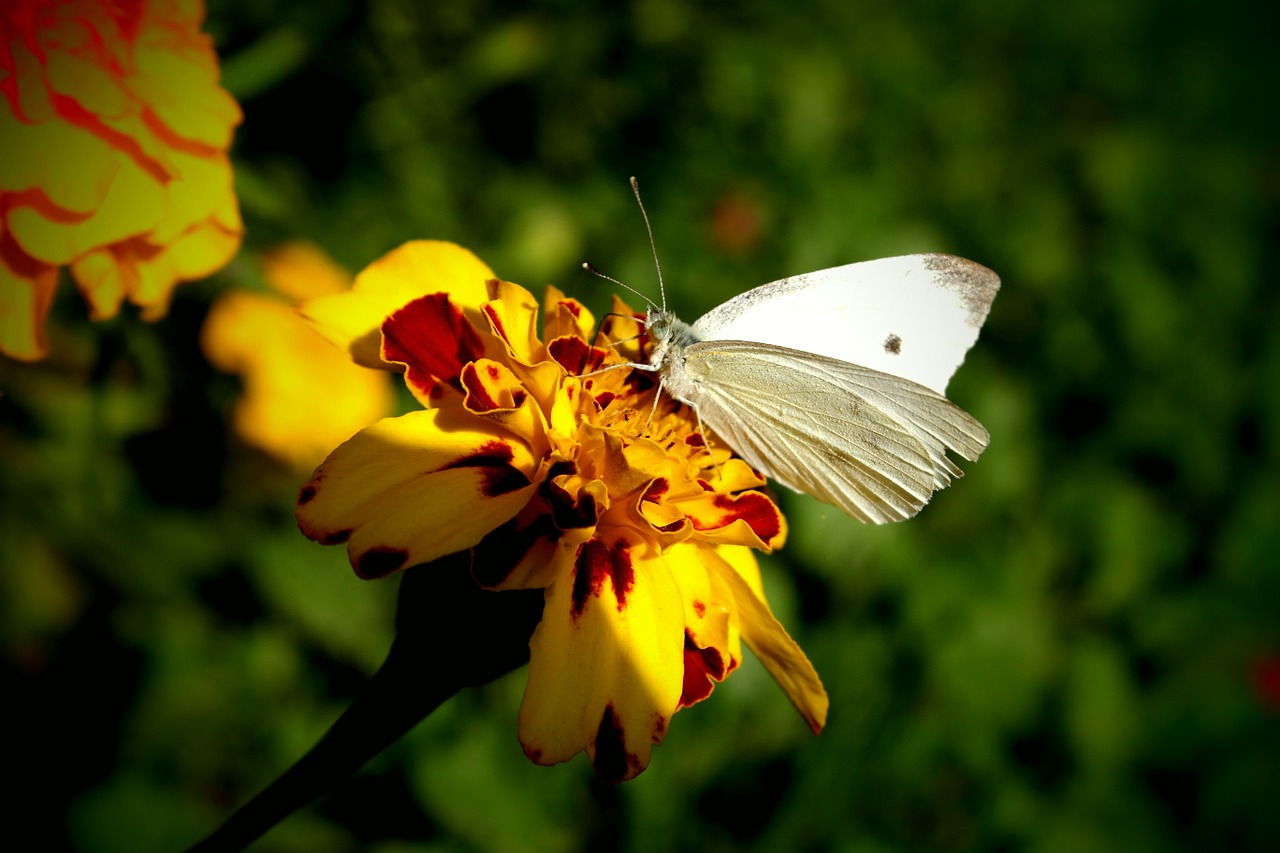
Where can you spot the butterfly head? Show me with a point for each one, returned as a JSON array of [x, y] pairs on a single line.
[[668, 336]]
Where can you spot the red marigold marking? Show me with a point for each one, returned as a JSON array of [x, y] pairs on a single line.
[[597, 561], [575, 355], [656, 490], [479, 399], [499, 329], [757, 510], [433, 338], [695, 439], [380, 561], [612, 762], [700, 608], [604, 398], [306, 493], [702, 668], [501, 477]]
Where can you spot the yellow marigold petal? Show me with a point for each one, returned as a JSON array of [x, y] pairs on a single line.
[[780, 654], [607, 661], [302, 397], [745, 518], [512, 314], [408, 490], [353, 320], [72, 167], [26, 294], [300, 270], [565, 317], [496, 394], [133, 205], [712, 648]]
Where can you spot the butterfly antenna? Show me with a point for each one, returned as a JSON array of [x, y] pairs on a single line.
[[653, 246], [595, 272]]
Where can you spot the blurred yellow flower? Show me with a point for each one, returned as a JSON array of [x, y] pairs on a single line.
[[115, 158], [557, 481], [302, 396]]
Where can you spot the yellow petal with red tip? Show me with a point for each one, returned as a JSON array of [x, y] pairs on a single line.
[[513, 314], [711, 649], [746, 518], [408, 490], [563, 317], [353, 320], [607, 663], [765, 636], [496, 394]]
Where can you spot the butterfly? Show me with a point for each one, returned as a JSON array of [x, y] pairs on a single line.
[[832, 382]]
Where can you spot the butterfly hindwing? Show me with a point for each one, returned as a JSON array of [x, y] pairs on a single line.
[[871, 443]]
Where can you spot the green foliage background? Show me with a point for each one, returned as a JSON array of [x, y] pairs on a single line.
[[1074, 648]]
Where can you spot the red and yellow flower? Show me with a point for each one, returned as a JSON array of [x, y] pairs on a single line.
[[560, 477], [115, 160]]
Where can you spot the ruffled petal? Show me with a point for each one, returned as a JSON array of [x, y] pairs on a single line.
[[607, 663], [565, 317], [408, 490], [496, 394], [765, 636], [353, 320]]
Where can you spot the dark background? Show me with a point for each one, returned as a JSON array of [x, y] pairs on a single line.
[[1076, 647]]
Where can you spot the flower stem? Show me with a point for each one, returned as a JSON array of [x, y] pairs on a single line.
[[450, 634]]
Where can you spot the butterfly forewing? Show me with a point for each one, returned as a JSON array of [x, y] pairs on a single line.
[[913, 316], [871, 443]]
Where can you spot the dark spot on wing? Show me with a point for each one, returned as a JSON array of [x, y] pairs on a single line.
[[893, 344]]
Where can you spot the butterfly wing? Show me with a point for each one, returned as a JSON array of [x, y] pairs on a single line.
[[871, 443], [913, 316]]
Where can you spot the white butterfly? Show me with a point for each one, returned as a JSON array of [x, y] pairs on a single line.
[[832, 382]]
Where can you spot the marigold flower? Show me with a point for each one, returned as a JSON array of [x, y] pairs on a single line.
[[639, 534], [115, 165], [302, 397]]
